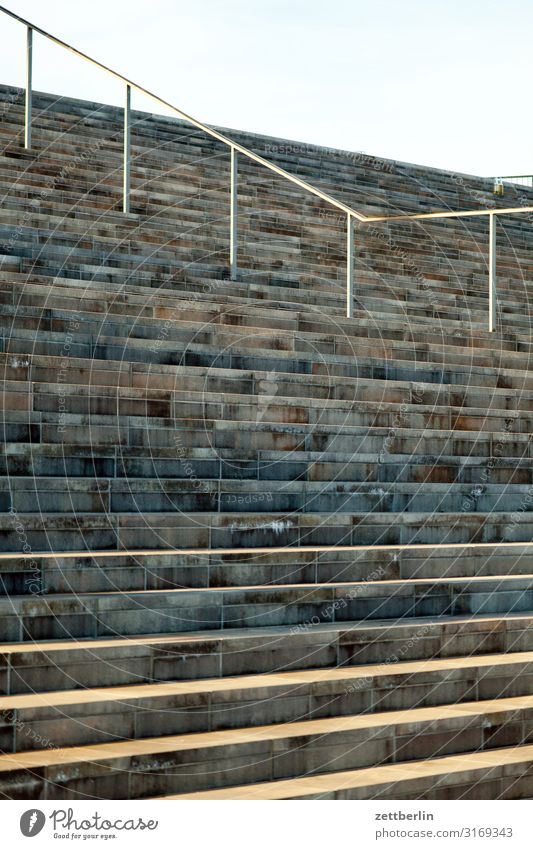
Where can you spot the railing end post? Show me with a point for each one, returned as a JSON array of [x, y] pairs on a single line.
[[349, 265], [27, 105], [233, 214], [127, 152], [492, 273]]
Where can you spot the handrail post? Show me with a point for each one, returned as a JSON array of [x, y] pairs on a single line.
[[233, 234], [492, 272], [27, 106], [349, 265], [127, 151]]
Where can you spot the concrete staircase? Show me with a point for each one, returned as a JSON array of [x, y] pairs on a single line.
[[250, 548]]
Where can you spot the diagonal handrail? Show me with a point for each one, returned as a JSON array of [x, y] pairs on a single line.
[[201, 126], [237, 148]]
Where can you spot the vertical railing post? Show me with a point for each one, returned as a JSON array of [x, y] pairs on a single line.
[[349, 265], [27, 107], [233, 235], [127, 151], [492, 272]]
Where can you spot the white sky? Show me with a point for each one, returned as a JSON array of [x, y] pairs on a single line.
[[436, 82]]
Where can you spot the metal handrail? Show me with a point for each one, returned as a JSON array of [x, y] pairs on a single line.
[[236, 148], [515, 177], [465, 213], [208, 130]]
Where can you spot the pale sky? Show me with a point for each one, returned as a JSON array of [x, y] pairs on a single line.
[[435, 82]]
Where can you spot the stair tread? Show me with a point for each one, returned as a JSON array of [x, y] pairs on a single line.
[[182, 552], [277, 731], [372, 776], [274, 631], [330, 586], [267, 681]]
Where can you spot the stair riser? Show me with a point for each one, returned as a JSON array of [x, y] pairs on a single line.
[[265, 409], [98, 500], [217, 656], [48, 464], [182, 531], [248, 439], [158, 572], [210, 614]]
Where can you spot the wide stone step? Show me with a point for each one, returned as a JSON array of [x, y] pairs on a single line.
[[69, 663], [57, 124], [187, 173], [207, 247], [199, 226], [258, 396], [189, 762], [260, 260], [190, 321], [381, 373], [265, 406], [210, 301], [302, 606], [355, 174], [496, 774], [22, 574], [192, 495], [239, 358], [265, 330], [282, 194], [214, 294], [208, 581], [62, 135], [181, 530], [100, 715], [220, 438], [120, 462], [171, 273], [61, 119]]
